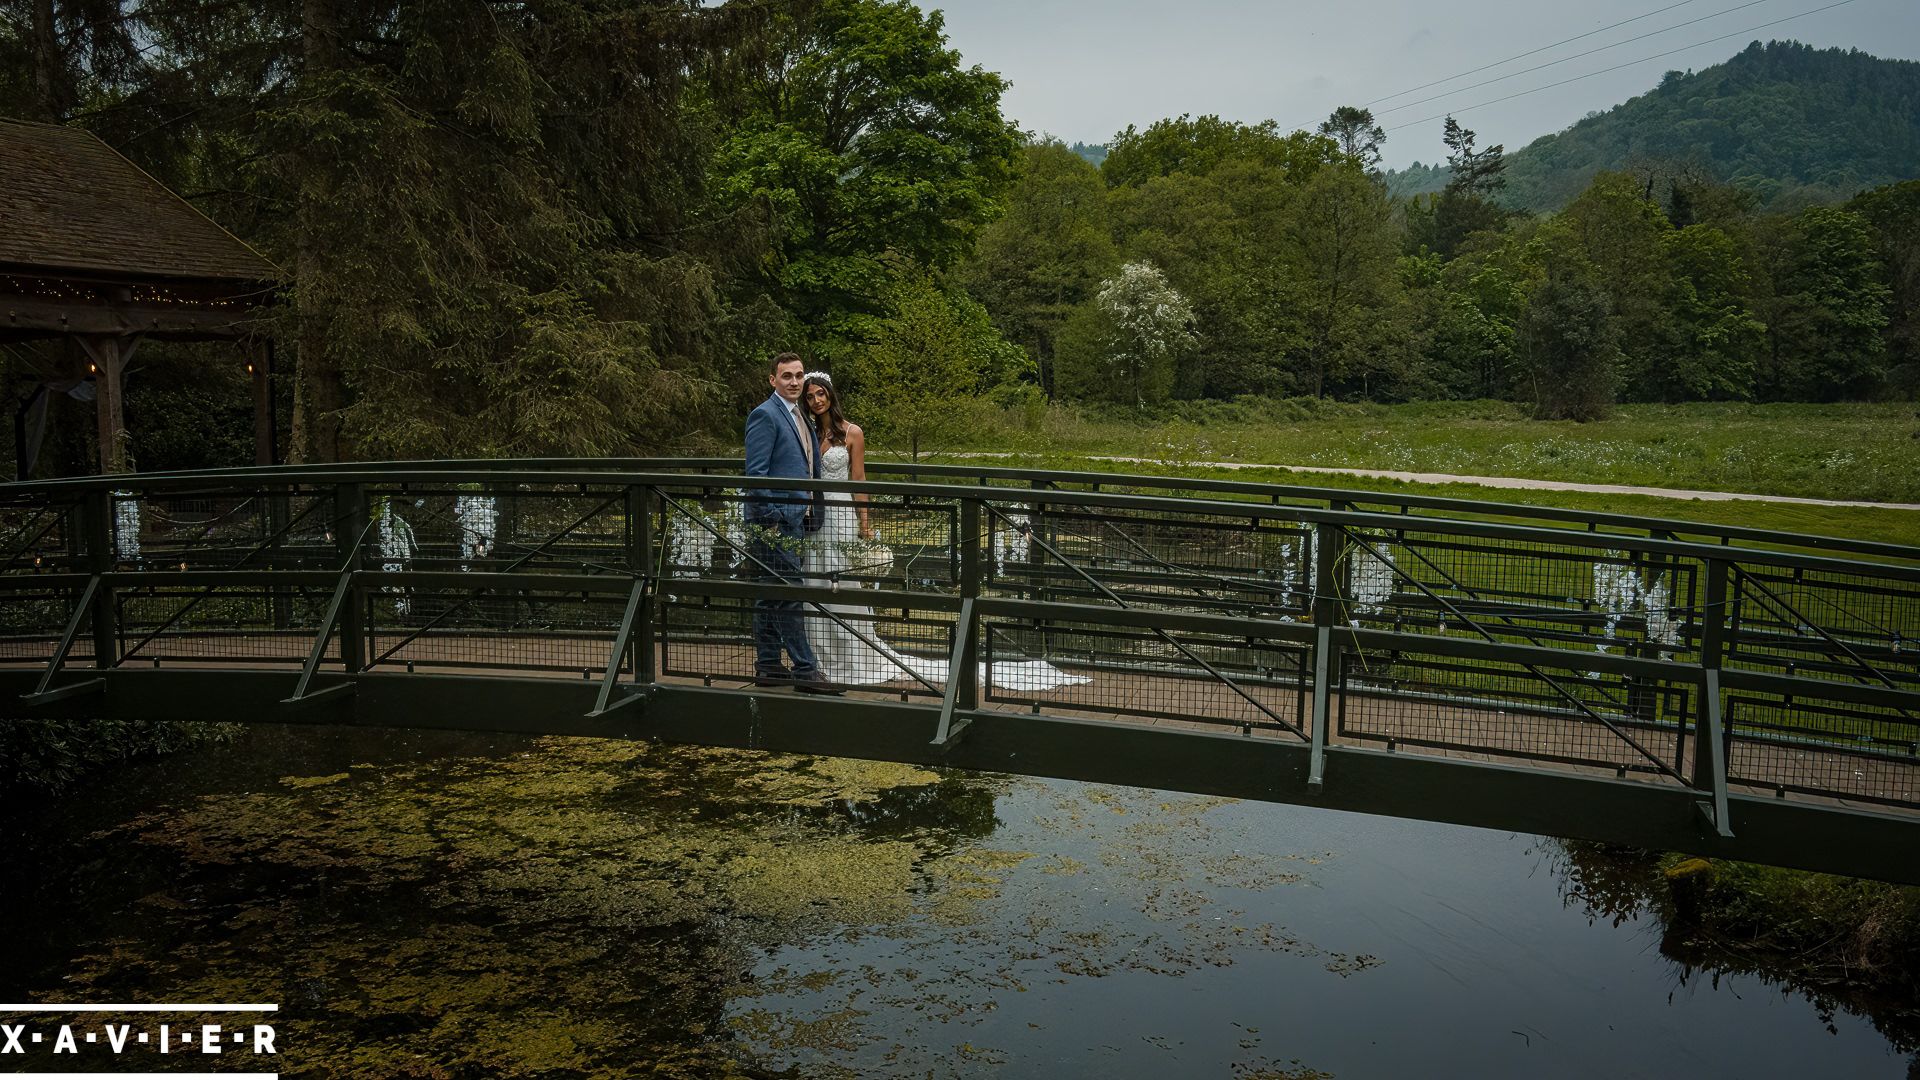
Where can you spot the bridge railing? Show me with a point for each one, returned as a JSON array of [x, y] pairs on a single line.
[[1787, 668]]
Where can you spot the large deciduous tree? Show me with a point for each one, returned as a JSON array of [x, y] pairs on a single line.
[[1825, 309], [1346, 288], [1569, 343], [1893, 214], [1125, 346], [1047, 254], [936, 350], [1715, 336], [863, 133]]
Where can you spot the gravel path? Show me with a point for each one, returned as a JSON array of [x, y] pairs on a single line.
[[1503, 482]]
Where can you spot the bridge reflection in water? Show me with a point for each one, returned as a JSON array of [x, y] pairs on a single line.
[[1724, 691]]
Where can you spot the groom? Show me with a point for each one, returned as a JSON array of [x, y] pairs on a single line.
[[781, 442]]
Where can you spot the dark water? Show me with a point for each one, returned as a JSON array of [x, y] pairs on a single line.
[[455, 905]]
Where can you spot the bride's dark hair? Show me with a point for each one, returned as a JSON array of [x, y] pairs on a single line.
[[836, 420]]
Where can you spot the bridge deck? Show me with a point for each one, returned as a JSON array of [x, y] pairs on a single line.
[[1568, 743]]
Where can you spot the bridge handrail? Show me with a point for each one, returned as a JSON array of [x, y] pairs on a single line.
[[478, 469], [295, 475]]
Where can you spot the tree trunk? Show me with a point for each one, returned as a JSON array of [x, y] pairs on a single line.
[[319, 391], [47, 81]]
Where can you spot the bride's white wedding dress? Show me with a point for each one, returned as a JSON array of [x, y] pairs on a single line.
[[843, 657]]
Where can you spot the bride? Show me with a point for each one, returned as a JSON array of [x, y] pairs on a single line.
[[837, 548]]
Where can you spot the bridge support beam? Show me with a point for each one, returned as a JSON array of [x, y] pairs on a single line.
[[1322, 711], [963, 668], [636, 601], [81, 609], [1710, 749]]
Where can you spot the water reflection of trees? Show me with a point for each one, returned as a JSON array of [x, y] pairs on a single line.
[[551, 907], [1708, 932]]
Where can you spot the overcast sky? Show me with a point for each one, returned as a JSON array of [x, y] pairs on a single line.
[[1084, 69]]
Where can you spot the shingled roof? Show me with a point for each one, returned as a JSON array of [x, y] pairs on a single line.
[[69, 202]]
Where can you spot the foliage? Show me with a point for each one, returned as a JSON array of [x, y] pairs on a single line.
[[1893, 215], [929, 357], [1794, 124], [1094, 153], [1716, 336], [1478, 173], [864, 135], [1826, 308], [1198, 146], [1126, 346], [1569, 344], [1342, 249], [1614, 228], [46, 757], [1357, 134], [1047, 253]]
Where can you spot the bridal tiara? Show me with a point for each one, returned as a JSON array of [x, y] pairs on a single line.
[[821, 375]]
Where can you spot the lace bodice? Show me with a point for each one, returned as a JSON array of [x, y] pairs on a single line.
[[836, 464]]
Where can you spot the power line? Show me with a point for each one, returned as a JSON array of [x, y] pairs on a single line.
[[1524, 55], [1617, 67], [1564, 59]]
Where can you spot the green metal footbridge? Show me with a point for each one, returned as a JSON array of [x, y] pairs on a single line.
[[1729, 692]]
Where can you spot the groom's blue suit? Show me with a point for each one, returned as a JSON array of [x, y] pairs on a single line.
[[779, 522]]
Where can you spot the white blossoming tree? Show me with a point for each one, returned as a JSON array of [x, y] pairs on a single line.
[[1125, 345]]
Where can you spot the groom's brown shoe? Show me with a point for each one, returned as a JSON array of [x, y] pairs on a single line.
[[815, 683]]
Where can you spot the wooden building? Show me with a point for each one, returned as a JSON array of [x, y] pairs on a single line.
[[94, 250]]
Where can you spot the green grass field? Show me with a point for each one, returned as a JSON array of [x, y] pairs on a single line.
[[1855, 452]]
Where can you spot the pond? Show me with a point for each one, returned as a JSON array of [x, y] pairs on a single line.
[[453, 905]]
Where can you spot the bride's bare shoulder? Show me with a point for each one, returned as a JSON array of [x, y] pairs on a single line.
[[854, 433]]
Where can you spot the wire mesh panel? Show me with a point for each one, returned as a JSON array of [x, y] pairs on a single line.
[[218, 624], [520, 527], [32, 620], [224, 530], [1256, 684], [1863, 753], [40, 536], [1165, 559], [889, 542], [1852, 626], [1504, 709], [899, 651], [1619, 601], [706, 638], [505, 631]]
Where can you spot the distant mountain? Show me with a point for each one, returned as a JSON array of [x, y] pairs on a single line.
[[1793, 123], [1416, 179], [1095, 153]]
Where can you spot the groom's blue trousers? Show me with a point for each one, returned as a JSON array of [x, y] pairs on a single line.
[[779, 623]]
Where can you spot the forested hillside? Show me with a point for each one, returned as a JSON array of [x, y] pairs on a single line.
[[1793, 124], [581, 226]]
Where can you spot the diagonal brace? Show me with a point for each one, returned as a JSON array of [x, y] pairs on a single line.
[[331, 618], [80, 610], [960, 667], [636, 600]]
